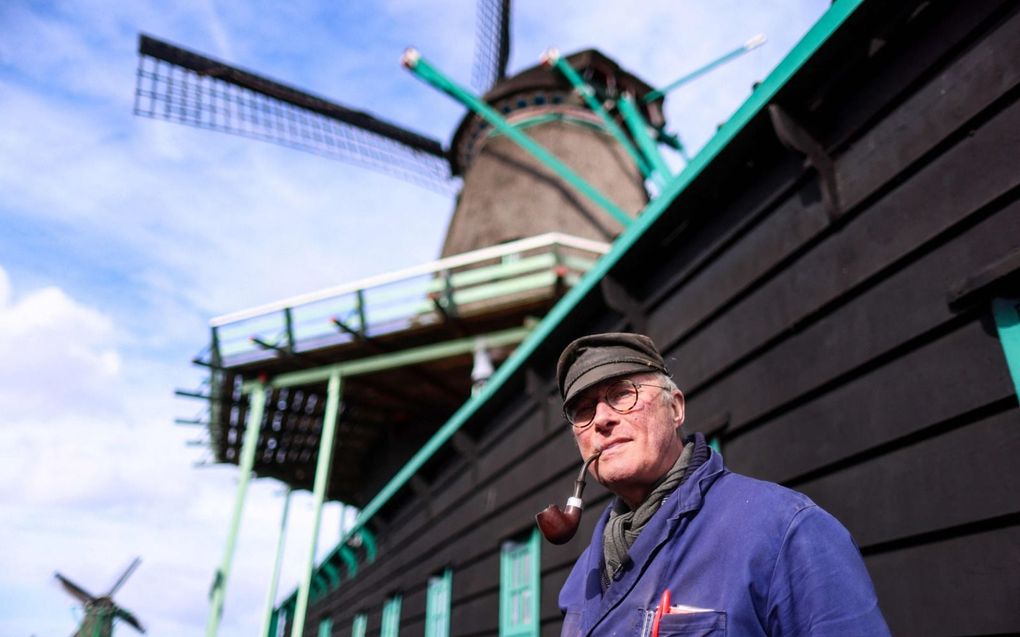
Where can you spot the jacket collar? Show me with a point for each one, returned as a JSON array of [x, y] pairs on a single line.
[[686, 500]]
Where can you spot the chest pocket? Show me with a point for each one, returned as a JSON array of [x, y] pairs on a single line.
[[704, 624]]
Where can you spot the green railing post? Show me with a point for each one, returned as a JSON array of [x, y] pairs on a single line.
[[359, 300], [267, 619], [251, 437], [322, 469], [753, 43], [639, 131], [288, 323], [587, 93], [428, 73]]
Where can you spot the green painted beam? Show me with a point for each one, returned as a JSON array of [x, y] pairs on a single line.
[[808, 45], [322, 469], [429, 74], [587, 93], [391, 360], [268, 622], [247, 463], [751, 44], [639, 131], [496, 272]]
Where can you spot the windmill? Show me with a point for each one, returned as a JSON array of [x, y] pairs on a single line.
[[504, 193], [101, 611]]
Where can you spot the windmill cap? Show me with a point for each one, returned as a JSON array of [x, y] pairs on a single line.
[[592, 359]]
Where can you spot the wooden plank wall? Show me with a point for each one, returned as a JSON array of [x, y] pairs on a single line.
[[820, 347]]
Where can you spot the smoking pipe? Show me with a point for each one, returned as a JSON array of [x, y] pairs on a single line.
[[559, 526]]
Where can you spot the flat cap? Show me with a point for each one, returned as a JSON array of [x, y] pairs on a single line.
[[590, 360]]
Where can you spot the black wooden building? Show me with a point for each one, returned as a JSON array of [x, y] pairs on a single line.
[[833, 282]]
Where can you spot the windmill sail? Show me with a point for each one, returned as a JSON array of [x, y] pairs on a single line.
[[182, 86], [492, 44]]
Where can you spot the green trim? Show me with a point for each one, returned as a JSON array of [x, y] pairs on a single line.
[[639, 131], [815, 37], [651, 96], [715, 444], [332, 575], [519, 587], [269, 617], [322, 468], [360, 626], [350, 560], [325, 627], [368, 541], [437, 604], [587, 93], [412, 356], [1007, 321], [257, 401], [391, 617], [526, 122], [431, 75]]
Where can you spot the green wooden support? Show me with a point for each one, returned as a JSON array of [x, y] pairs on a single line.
[[368, 541], [359, 306], [251, 437], [350, 560], [1007, 321], [288, 324], [333, 577], [268, 617], [753, 43], [391, 360], [639, 131], [428, 73], [322, 469], [587, 93]]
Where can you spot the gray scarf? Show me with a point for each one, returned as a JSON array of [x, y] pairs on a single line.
[[624, 525]]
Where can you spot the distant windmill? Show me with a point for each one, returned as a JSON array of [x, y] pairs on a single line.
[[101, 611], [506, 194]]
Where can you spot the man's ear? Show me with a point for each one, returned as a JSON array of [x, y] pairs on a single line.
[[679, 408]]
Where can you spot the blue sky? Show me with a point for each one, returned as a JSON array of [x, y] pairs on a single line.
[[121, 236]]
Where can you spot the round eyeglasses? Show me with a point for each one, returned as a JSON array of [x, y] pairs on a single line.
[[621, 396]]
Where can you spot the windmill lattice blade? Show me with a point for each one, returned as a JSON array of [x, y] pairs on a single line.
[[130, 619], [181, 86], [492, 44], [127, 573], [75, 591]]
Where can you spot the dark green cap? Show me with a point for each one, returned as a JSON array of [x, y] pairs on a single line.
[[592, 359]]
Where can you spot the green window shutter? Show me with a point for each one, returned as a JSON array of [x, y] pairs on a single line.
[[391, 617], [437, 605], [326, 627], [519, 588], [1007, 321], [360, 625]]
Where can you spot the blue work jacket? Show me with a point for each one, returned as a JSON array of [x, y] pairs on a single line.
[[746, 557]]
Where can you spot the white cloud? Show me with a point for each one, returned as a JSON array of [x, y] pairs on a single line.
[[55, 351]]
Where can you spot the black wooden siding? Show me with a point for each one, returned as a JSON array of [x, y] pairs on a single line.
[[817, 343]]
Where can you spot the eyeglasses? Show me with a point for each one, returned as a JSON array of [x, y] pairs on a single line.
[[621, 396]]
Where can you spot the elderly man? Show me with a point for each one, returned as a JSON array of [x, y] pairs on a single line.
[[687, 547]]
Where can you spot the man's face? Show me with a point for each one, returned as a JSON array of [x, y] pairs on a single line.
[[638, 447]]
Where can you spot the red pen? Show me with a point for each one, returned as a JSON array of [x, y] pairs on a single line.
[[663, 609]]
